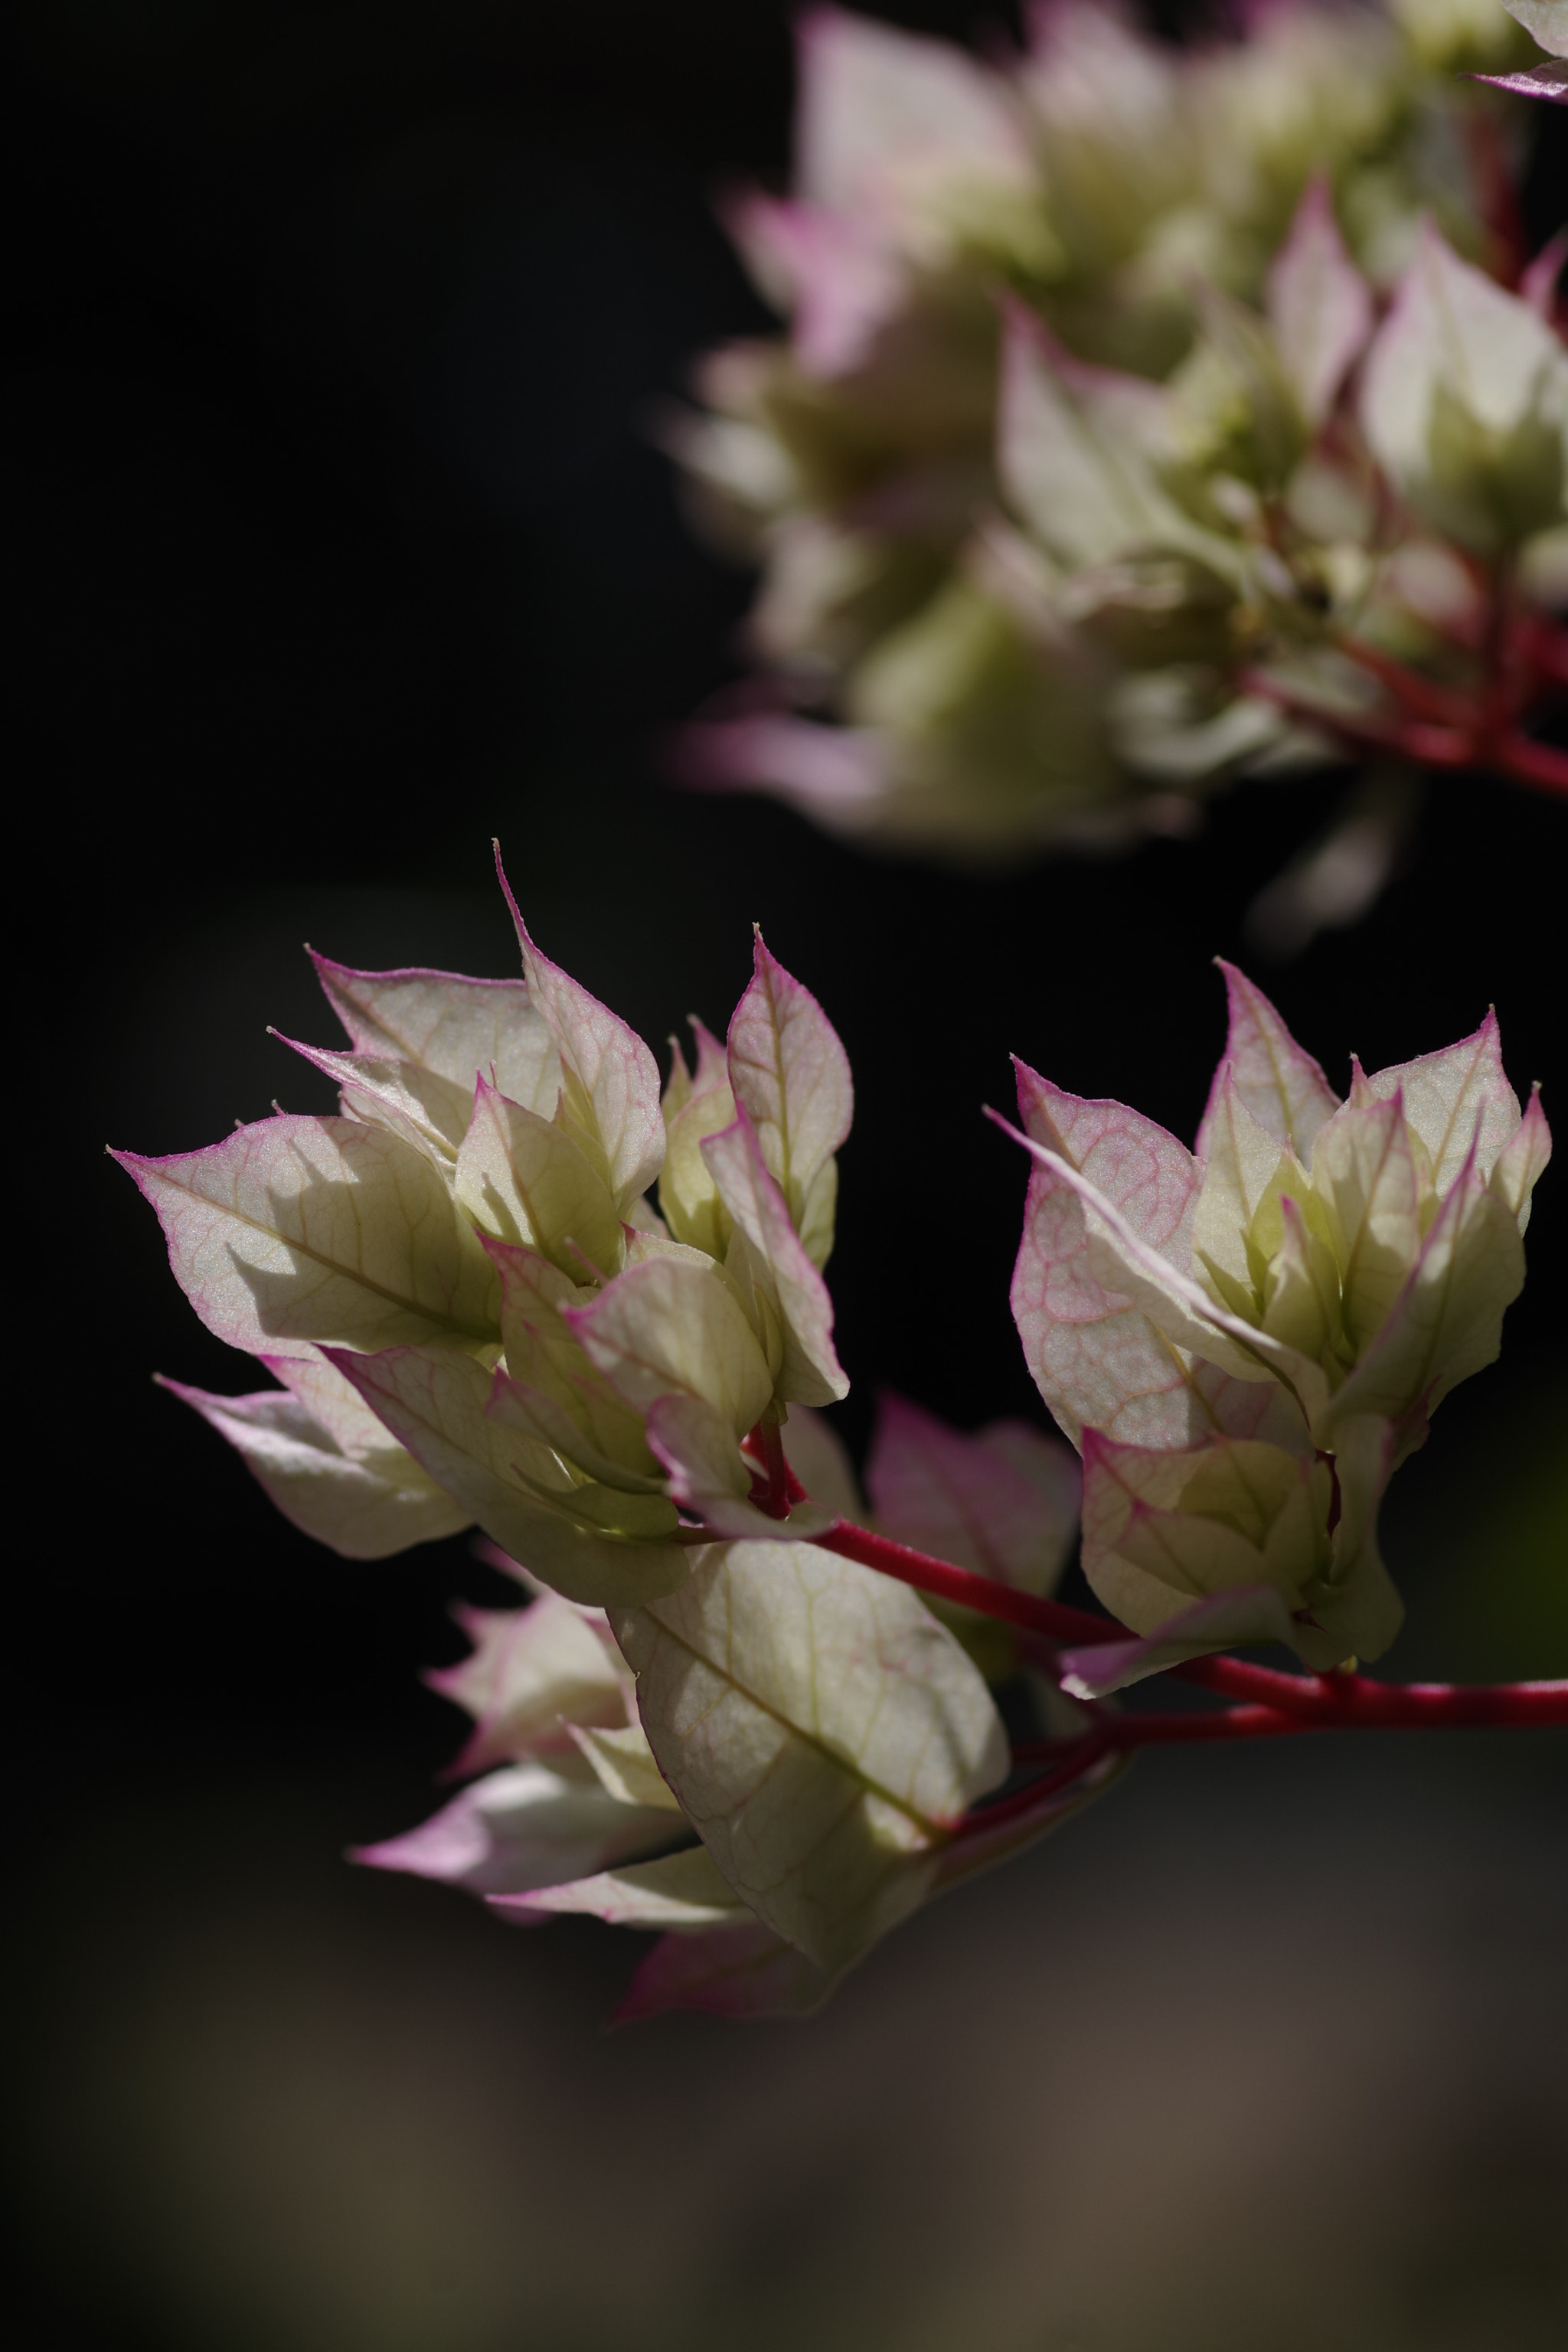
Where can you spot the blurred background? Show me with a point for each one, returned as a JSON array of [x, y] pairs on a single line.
[[333, 333]]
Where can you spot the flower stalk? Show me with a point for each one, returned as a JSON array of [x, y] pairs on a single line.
[[1276, 1703], [1439, 727]]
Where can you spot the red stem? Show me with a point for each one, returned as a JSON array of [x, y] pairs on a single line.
[[1364, 1705], [1357, 1699], [1228, 1677], [1529, 762], [1496, 195], [1052, 1618], [1072, 1765], [779, 1486], [1321, 1702], [1546, 647], [1520, 652], [1152, 1729], [1421, 695], [1430, 746]]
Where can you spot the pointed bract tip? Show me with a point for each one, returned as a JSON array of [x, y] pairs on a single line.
[[371, 1857], [513, 908]]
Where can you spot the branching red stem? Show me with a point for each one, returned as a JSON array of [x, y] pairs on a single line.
[[1072, 1764], [1363, 1706], [1162, 1730], [1438, 728], [1422, 696], [1052, 1618], [1227, 1677], [1273, 1702]]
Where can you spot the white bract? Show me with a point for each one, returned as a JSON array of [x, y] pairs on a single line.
[[476, 1313], [822, 1731], [1245, 1342], [1465, 405]]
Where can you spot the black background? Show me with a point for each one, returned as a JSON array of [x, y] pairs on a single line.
[[340, 549]]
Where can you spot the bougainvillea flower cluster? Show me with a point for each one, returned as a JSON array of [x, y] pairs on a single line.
[[1247, 1338], [1147, 417], [725, 1712], [460, 1278]]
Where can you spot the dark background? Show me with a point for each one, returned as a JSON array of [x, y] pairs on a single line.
[[340, 549]]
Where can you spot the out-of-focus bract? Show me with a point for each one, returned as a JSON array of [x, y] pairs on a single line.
[[1148, 416]]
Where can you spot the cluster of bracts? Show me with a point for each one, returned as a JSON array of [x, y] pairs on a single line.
[[1147, 417], [713, 1716]]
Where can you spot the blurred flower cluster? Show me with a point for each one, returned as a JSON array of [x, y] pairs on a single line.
[[1148, 418], [725, 1713]]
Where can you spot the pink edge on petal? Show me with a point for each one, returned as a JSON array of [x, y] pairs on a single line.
[[512, 908], [1244, 1613], [501, 1562], [712, 1061], [1146, 1258], [207, 1402], [842, 275], [968, 1498], [740, 1971], [1096, 1358], [336, 983], [812, 1374], [1548, 81], [1538, 287], [610, 1061], [1456, 1098], [1281, 1083], [325, 1058], [1361, 1096], [786, 1062], [1027, 335], [1146, 1172], [1318, 305], [137, 1165], [839, 775]]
